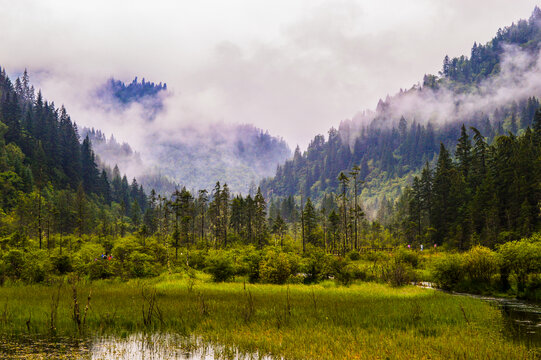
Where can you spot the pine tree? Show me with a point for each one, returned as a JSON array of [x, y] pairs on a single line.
[[310, 222], [279, 228], [442, 186], [463, 152], [260, 218], [89, 169], [343, 179]]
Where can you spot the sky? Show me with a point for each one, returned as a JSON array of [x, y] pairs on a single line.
[[295, 67]]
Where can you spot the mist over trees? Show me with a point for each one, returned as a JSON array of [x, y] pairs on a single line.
[[495, 91]]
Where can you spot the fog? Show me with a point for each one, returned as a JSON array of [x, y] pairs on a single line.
[[295, 68]]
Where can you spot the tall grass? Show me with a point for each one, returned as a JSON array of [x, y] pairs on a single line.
[[324, 321]]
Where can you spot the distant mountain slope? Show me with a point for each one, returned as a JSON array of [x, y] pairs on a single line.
[[195, 156], [494, 90], [240, 155], [118, 94]]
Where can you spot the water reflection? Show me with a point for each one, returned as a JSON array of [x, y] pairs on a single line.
[[164, 346], [135, 346], [521, 319]]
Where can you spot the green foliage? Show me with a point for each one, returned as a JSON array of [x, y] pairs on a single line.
[[410, 257], [141, 265], [275, 268], [521, 258], [480, 264], [220, 266], [345, 272], [353, 255], [316, 265], [448, 271], [14, 262], [62, 264]]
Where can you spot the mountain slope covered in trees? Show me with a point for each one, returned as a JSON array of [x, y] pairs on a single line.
[[49, 179], [495, 90]]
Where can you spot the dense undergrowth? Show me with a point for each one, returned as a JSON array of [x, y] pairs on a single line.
[[513, 269]]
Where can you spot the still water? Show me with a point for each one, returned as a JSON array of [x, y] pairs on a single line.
[[522, 320], [135, 346]]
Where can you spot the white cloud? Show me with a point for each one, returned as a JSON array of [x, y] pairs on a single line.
[[293, 67]]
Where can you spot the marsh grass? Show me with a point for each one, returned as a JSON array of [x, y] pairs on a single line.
[[365, 320]]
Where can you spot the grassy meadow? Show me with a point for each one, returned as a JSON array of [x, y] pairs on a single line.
[[324, 321]]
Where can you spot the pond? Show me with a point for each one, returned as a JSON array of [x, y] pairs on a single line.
[[522, 319], [135, 346]]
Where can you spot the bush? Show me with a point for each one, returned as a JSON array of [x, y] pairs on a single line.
[[480, 263], [448, 271], [354, 255], [375, 256], [123, 249], [407, 256], [14, 262], [198, 259], [250, 260], [62, 264], [317, 266], [99, 269], [140, 265], [220, 266], [37, 265], [522, 258], [344, 271], [397, 273], [532, 289], [275, 269]]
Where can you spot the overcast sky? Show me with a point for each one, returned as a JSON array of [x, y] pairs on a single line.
[[294, 67]]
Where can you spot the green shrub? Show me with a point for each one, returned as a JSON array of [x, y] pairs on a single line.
[[354, 255], [275, 269], [397, 273], [532, 290], [407, 256], [295, 279], [123, 249], [521, 258], [140, 265], [99, 269], [317, 266], [62, 264], [159, 252], [220, 266], [344, 271], [14, 262], [480, 263], [37, 266], [198, 259], [448, 271], [375, 256], [248, 263]]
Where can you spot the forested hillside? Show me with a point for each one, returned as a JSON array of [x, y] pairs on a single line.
[[489, 195], [495, 90], [49, 179]]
